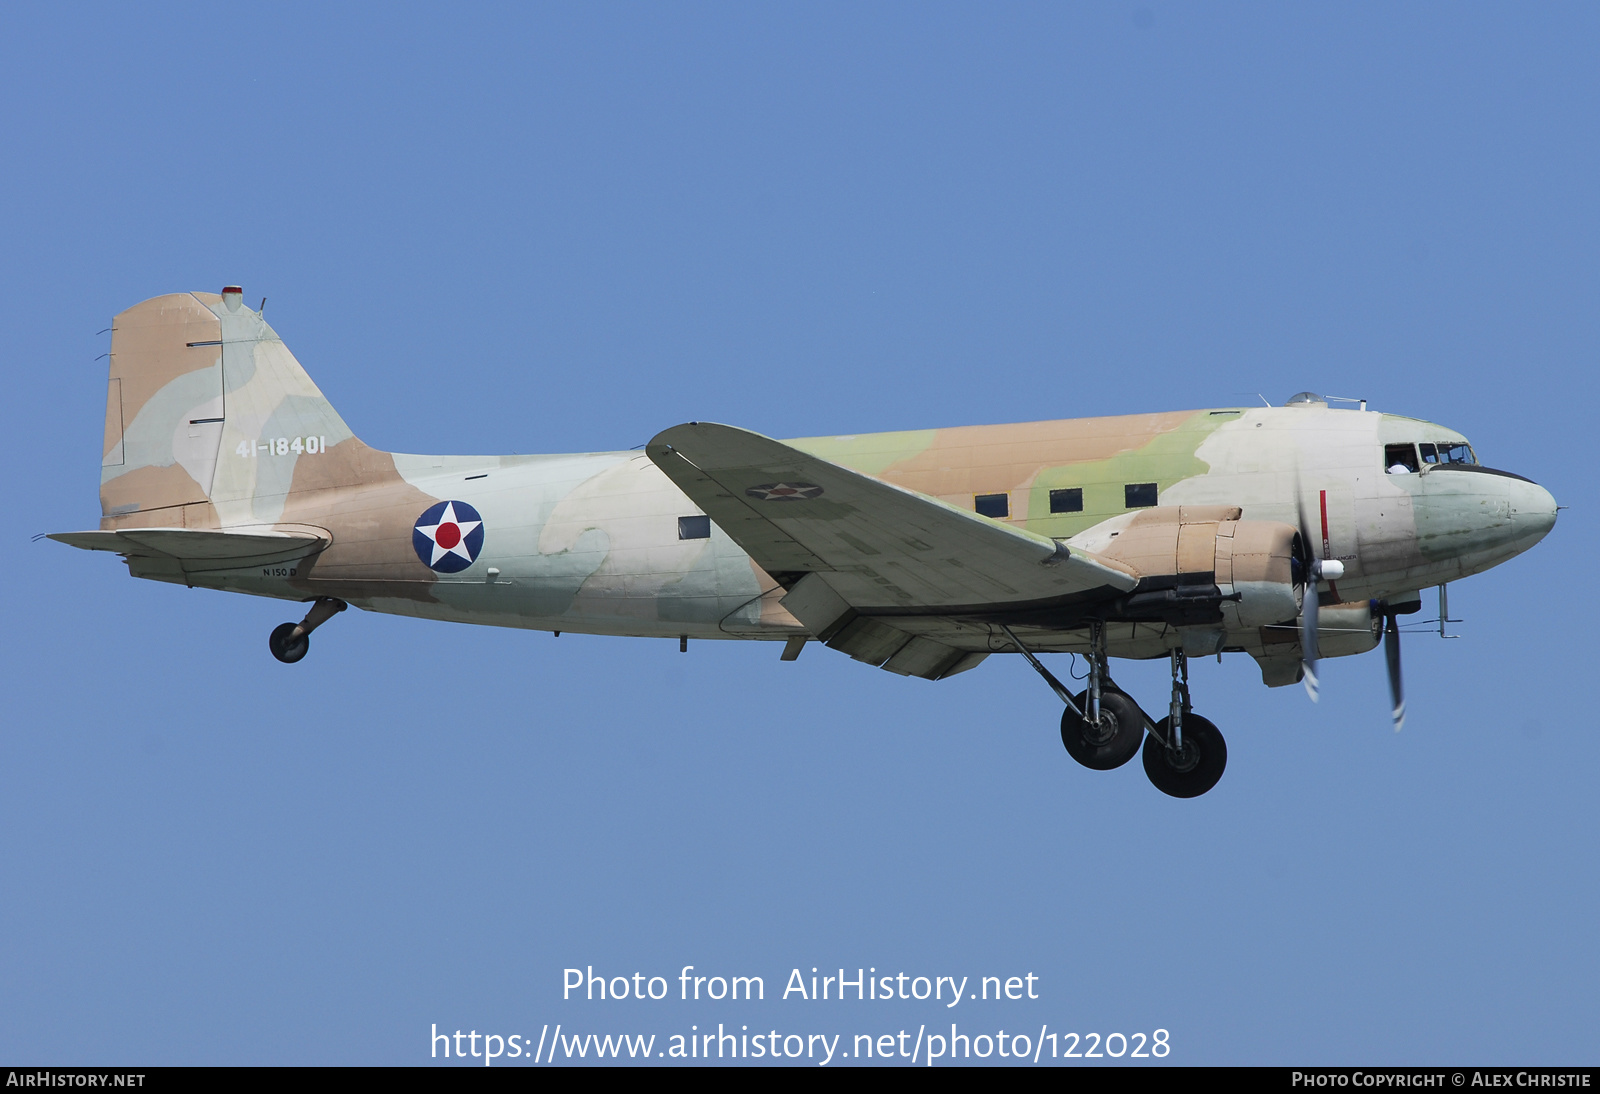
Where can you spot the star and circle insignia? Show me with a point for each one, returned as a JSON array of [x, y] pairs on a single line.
[[784, 491], [448, 536]]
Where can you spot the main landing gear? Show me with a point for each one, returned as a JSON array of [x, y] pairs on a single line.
[[1102, 727], [1185, 753], [290, 642]]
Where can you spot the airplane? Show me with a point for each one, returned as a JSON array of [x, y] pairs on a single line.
[[1289, 533]]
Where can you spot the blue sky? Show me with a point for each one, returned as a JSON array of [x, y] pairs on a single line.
[[544, 229]]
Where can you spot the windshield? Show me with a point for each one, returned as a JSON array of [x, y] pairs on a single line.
[[1447, 453], [1403, 459]]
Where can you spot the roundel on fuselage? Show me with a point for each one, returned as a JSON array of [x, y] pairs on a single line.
[[448, 536]]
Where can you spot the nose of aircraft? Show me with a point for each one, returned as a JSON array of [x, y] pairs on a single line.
[[1533, 511]]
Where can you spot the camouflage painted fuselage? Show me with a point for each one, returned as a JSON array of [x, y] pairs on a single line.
[[212, 425]]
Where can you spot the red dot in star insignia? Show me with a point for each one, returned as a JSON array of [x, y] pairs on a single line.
[[448, 535]]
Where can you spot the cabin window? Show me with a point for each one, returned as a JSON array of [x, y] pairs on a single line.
[[1430, 453], [992, 505], [1456, 453], [1400, 459], [694, 527], [1067, 501], [1139, 495]]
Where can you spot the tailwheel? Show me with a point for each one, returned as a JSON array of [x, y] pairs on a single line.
[[1113, 741], [289, 642], [286, 645], [1191, 770]]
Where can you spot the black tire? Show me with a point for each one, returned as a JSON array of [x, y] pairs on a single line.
[[1111, 744], [1197, 769], [285, 647]]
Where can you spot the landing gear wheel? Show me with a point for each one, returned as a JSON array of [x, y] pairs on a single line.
[[285, 647], [1193, 770], [1110, 744]]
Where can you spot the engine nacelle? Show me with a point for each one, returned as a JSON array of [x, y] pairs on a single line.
[[1347, 629], [1201, 564], [1256, 563]]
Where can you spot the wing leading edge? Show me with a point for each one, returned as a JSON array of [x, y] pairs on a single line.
[[884, 573]]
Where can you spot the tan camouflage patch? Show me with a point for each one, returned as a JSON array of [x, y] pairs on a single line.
[[149, 346], [355, 492], [144, 491]]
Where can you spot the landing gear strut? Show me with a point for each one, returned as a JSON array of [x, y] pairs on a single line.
[[290, 642], [1185, 754], [1102, 727]]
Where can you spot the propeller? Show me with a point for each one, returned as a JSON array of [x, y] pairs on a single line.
[[1321, 569], [1391, 654], [1312, 569], [1328, 569]]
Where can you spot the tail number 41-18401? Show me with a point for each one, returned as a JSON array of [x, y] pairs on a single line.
[[282, 446]]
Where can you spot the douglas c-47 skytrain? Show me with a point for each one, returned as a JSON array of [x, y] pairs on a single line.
[[1288, 533]]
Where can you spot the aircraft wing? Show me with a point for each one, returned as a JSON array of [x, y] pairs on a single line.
[[880, 550]]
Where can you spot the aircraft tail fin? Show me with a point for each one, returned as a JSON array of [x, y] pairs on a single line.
[[210, 420]]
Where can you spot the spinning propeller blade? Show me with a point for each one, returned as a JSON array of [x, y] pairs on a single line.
[[1308, 634], [1308, 605], [1321, 569], [1317, 570], [1391, 653]]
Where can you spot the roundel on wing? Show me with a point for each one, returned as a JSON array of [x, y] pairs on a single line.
[[448, 536], [784, 491]]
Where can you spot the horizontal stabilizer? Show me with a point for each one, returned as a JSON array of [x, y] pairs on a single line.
[[201, 545]]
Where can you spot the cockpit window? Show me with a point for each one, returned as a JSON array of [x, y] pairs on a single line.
[[1400, 459]]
